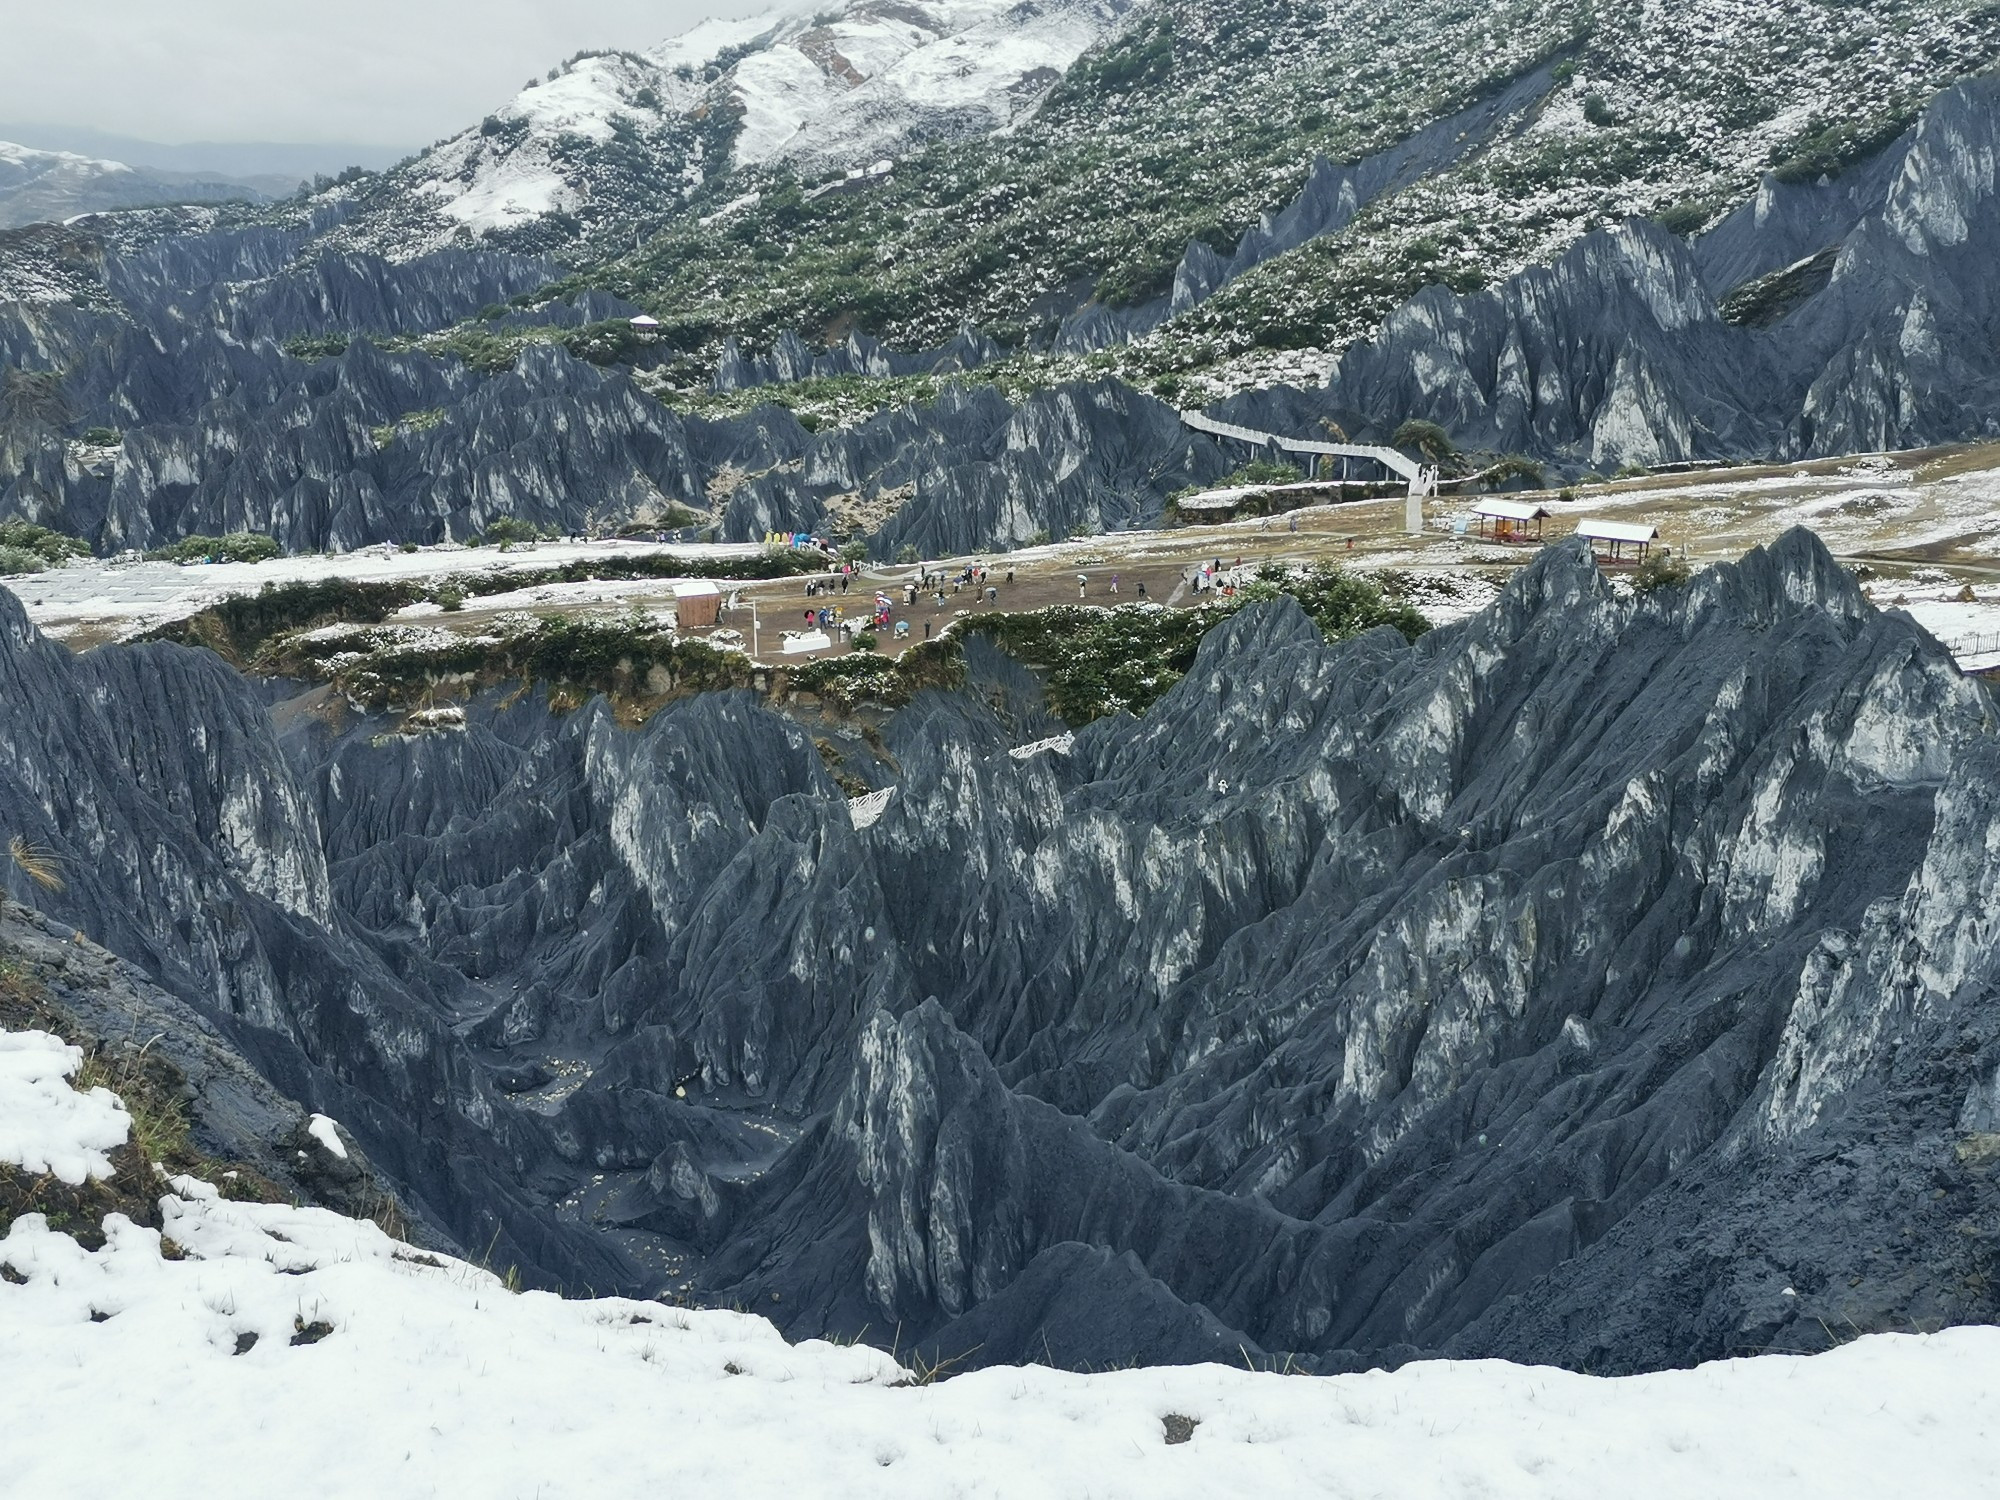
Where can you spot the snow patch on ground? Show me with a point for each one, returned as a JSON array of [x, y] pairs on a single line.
[[327, 1134], [140, 596], [45, 1125]]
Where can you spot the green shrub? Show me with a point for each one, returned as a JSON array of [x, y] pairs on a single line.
[[1687, 217], [1831, 149], [51, 547], [409, 421], [1260, 471], [316, 346], [15, 561], [1661, 570], [507, 530], [1098, 661], [1427, 438], [102, 437], [237, 547], [479, 349], [1514, 466], [907, 553]]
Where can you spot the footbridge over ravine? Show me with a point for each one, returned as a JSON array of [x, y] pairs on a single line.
[[1422, 480]]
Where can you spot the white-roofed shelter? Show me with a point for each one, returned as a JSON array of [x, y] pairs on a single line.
[[1617, 536], [1511, 520]]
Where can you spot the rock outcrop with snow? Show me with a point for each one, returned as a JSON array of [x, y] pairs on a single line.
[[627, 136]]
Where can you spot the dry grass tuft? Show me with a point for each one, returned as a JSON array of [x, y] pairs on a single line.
[[35, 862]]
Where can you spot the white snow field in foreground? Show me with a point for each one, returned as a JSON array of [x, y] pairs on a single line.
[[425, 1376], [47, 1126]]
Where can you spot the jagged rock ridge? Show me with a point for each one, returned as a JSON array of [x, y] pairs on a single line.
[[1594, 981], [1617, 354]]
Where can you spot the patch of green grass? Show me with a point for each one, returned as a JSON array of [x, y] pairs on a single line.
[[408, 422], [317, 346]]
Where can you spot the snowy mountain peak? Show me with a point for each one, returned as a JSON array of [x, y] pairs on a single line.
[[520, 163], [829, 91], [839, 91]]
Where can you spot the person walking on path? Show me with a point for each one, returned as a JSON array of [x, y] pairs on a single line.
[[1082, 583], [1114, 583]]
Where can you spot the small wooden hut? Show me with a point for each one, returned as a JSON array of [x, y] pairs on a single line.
[[697, 604]]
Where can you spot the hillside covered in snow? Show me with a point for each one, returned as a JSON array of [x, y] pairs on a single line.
[[613, 143]]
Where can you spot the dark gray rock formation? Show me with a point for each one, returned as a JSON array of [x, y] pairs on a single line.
[[223, 431], [188, 847], [792, 359], [1860, 314], [1616, 354], [1332, 196], [102, 1003], [1600, 980]]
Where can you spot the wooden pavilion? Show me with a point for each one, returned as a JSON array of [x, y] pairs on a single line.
[[1621, 541], [1516, 521]]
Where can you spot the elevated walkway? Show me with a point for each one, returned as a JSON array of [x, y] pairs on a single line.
[[1422, 479]]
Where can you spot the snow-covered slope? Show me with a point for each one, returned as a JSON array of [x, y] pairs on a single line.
[[623, 137], [880, 75], [255, 1349], [522, 162]]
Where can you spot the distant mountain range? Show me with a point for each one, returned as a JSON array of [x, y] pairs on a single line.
[[274, 167], [38, 186], [52, 173]]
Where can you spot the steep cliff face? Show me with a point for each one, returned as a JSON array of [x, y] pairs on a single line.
[[1861, 316], [1408, 973], [186, 844], [1526, 990]]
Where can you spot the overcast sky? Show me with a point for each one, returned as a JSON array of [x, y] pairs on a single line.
[[377, 72]]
